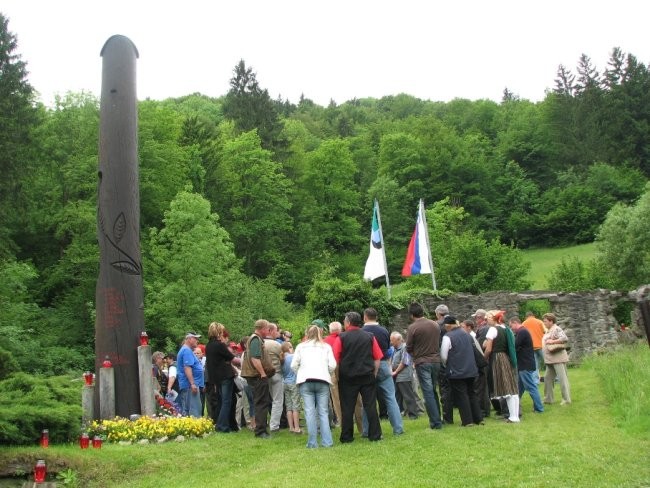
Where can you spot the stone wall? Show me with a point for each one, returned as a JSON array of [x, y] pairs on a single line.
[[586, 317]]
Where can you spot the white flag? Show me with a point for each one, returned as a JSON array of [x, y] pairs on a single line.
[[375, 263]]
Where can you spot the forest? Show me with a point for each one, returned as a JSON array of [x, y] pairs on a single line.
[[249, 203]]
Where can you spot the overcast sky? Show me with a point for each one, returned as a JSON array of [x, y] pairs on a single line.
[[334, 49]]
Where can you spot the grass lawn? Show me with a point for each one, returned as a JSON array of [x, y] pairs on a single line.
[[544, 260], [567, 446]]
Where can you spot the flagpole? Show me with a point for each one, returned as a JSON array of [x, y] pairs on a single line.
[[383, 248], [426, 235]]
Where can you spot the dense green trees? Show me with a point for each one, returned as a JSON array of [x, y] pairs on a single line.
[[193, 277], [622, 253], [251, 107], [252, 197], [466, 260], [293, 187], [18, 117]]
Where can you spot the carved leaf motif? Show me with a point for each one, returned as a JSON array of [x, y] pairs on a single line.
[[119, 227], [126, 267]]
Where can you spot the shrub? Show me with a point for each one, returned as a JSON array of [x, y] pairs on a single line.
[[8, 364], [331, 297], [573, 274], [29, 404], [539, 307]]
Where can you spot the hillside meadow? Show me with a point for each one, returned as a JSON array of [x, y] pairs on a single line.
[[543, 260], [601, 440]]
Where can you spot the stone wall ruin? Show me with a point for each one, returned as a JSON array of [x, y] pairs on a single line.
[[586, 317]]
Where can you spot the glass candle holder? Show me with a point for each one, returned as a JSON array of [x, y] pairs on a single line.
[[107, 363], [45, 438], [84, 441], [97, 442], [144, 338], [88, 378], [40, 471]]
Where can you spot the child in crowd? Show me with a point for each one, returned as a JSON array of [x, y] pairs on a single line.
[[291, 394]]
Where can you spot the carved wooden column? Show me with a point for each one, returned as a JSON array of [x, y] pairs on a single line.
[[119, 294]]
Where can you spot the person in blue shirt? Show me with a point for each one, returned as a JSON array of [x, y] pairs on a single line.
[[190, 372]]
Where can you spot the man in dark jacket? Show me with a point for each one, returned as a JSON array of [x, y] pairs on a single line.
[[358, 355]]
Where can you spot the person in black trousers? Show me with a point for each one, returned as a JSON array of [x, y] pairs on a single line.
[[358, 355]]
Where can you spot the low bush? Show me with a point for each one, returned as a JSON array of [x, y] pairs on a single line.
[[331, 297], [29, 404]]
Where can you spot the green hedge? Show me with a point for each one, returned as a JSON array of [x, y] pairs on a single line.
[[331, 297], [29, 404]]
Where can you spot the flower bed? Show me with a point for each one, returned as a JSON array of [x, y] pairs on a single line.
[[150, 428]]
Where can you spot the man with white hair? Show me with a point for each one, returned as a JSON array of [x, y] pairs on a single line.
[[402, 366]]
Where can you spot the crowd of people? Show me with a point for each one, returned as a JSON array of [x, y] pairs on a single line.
[[355, 373]]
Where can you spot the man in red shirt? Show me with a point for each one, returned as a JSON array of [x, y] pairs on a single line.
[[357, 355]]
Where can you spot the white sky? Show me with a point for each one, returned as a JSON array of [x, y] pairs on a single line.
[[334, 49]]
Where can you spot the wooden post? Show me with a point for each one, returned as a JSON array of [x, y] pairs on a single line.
[[119, 294], [146, 381], [107, 393], [87, 407]]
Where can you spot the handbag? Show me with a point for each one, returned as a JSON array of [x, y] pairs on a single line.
[[560, 346]]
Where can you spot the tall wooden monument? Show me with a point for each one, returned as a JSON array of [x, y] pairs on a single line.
[[119, 294]]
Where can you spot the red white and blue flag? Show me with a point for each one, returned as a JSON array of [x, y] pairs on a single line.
[[418, 255]]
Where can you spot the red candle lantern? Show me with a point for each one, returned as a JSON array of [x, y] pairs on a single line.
[[40, 471], [107, 363], [88, 378], [84, 441], [144, 338], [45, 438], [97, 442]]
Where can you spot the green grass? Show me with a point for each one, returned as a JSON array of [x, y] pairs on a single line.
[[629, 391], [591, 443], [544, 260]]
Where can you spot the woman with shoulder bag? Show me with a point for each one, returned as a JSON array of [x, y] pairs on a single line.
[[556, 359]]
